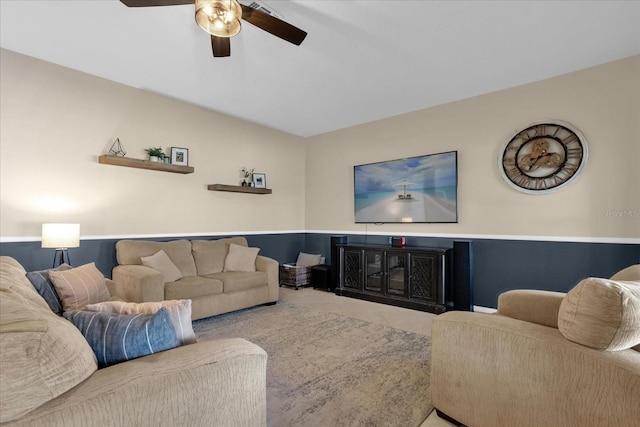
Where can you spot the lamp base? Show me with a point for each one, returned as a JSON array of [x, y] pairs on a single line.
[[61, 257]]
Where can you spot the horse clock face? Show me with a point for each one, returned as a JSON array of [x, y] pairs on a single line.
[[543, 157]]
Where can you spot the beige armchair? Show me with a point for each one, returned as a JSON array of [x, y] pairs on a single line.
[[516, 368]]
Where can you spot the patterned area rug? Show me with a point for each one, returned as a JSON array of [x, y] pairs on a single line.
[[327, 370]]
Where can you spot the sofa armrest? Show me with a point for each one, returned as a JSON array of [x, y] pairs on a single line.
[[489, 370], [271, 267], [137, 283], [213, 383], [530, 305]]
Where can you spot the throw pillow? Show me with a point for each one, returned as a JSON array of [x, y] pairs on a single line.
[[179, 313], [160, 261], [80, 286], [308, 260], [42, 283], [241, 258], [601, 313], [117, 338]]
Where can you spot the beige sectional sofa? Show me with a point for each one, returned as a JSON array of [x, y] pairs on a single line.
[[49, 374], [205, 277], [518, 368]]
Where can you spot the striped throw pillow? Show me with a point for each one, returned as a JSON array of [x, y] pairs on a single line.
[[80, 286], [117, 338], [179, 312]]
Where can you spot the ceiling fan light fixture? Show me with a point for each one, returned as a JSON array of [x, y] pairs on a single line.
[[220, 18]]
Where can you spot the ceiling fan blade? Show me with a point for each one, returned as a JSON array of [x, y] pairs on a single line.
[[273, 25], [221, 46], [147, 3]]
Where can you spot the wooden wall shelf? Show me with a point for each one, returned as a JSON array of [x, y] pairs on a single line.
[[107, 159], [238, 189]]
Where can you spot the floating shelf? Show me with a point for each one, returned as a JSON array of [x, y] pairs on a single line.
[[238, 189], [107, 159]]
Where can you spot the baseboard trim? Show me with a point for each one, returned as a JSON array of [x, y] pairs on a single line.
[[481, 309]]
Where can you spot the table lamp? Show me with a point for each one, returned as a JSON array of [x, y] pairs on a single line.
[[61, 237]]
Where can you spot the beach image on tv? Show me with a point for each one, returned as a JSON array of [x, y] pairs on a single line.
[[417, 189]]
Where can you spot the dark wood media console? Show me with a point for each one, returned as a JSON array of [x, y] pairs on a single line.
[[412, 277]]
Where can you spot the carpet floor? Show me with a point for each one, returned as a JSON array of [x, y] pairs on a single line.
[[327, 370]]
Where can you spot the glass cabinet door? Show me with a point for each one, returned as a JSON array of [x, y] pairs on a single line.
[[424, 277], [374, 270], [352, 271], [396, 273]]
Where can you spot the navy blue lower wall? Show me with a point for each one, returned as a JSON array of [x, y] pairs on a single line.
[[502, 265], [499, 265]]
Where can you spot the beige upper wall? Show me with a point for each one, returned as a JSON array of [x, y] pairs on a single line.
[[603, 202], [55, 122]]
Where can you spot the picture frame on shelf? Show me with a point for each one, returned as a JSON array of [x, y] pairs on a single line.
[[179, 156], [259, 180]]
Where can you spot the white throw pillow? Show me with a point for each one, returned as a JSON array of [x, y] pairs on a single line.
[[179, 312], [308, 260], [241, 258], [160, 261]]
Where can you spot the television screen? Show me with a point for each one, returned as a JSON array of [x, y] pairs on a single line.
[[417, 189]]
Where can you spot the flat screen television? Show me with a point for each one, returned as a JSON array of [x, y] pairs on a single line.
[[415, 189]]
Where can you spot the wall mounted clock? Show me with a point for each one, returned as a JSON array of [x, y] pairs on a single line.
[[543, 157]]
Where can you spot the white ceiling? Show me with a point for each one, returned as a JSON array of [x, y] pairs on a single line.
[[362, 60]]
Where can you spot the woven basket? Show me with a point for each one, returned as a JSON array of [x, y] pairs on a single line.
[[292, 275]]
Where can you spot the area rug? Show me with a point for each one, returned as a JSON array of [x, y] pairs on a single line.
[[326, 370]]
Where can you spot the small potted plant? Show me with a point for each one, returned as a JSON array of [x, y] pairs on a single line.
[[155, 154]]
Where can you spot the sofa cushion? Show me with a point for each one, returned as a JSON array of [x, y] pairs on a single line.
[[42, 283], [129, 252], [601, 313], [80, 286], [117, 338], [241, 258], [209, 255], [160, 261], [192, 287], [239, 281], [179, 313], [631, 273], [42, 354]]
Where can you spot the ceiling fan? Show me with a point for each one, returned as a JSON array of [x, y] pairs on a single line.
[[221, 19]]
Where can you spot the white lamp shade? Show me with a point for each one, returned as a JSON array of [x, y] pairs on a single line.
[[60, 236]]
